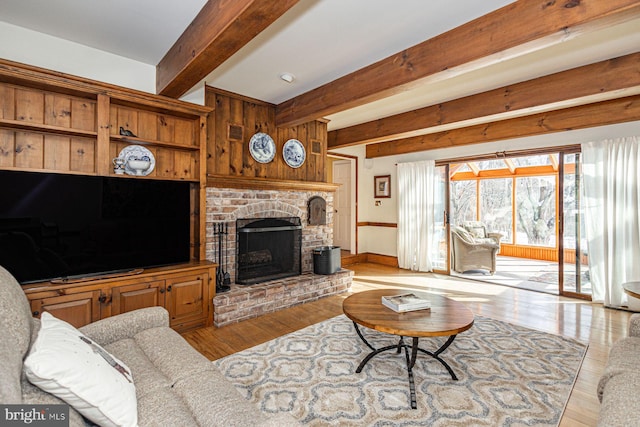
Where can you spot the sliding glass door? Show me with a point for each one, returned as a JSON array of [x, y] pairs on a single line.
[[533, 200], [440, 246], [574, 256]]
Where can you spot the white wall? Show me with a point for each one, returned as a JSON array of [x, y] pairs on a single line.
[[34, 48], [383, 240], [41, 50]]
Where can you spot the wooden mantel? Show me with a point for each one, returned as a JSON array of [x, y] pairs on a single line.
[[255, 183]]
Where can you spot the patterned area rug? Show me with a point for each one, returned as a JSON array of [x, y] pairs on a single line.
[[508, 375]]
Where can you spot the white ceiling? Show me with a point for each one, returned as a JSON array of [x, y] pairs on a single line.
[[317, 41], [142, 30]]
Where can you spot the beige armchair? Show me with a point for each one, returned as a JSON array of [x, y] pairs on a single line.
[[480, 234], [470, 253]]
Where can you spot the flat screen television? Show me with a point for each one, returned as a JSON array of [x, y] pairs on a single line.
[[67, 226]]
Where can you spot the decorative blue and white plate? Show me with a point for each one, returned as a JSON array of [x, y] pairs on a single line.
[[294, 153], [262, 147], [137, 152]]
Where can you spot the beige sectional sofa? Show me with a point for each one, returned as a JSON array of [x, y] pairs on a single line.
[[174, 384], [619, 386]]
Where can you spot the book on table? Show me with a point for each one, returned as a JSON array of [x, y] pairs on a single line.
[[405, 302]]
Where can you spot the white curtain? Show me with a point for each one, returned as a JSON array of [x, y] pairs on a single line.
[[416, 189], [611, 171]]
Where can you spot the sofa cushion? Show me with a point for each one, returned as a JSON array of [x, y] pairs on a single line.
[[211, 399], [174, 357], [16, 326], [164, 408], [70, 366], [620, 405], [229, 408], [148, 378]]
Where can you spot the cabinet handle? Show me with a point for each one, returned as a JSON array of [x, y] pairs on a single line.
[[169, 288], [36, 313], [102, 299], [162, 290]]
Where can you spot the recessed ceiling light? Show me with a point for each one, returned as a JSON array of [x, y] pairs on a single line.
[[287, 77]]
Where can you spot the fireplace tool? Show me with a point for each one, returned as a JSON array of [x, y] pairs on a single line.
[[220, 282], [226, 276]]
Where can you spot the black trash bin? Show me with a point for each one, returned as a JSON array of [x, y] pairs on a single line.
[[326, 259]]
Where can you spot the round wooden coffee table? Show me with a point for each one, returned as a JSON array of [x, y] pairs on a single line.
[[632, 289], [446, 317]]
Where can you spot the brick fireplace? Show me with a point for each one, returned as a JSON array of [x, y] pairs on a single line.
[[227, 205]]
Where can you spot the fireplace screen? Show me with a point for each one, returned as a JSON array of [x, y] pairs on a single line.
[[267, 249]]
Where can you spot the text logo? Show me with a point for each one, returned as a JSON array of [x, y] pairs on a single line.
[[34, 415]]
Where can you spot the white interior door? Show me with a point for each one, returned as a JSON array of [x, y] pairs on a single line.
[[342, 205]]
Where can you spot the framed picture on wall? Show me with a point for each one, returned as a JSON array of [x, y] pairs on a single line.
[[381, 186]]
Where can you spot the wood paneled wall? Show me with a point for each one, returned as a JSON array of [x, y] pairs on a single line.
[[236, 119]]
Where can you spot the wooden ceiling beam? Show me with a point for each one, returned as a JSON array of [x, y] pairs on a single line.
[[220, 29], [567, 88], [518, 28], [591, 115]]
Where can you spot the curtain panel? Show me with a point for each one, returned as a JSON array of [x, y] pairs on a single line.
[[416, 195], [611, 170]]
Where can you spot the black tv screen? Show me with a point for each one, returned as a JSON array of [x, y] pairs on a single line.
[[60, 226]]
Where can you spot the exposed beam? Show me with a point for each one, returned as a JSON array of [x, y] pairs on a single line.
[[599, 114], [567, 88], [221, 28], [518, 28]]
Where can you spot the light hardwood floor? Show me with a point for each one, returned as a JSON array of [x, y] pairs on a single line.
[[582, 320]]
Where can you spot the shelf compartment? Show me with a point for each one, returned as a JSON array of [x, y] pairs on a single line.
[[154, 128], [44, 151], [171, 163]]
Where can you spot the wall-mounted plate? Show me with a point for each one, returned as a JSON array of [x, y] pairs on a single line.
[[294, 153], [262, 147]]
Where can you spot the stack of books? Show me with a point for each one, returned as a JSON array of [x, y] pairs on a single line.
[[406, 302]]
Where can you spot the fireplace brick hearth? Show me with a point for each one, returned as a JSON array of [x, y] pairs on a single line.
[[226, 205], [246, 302]]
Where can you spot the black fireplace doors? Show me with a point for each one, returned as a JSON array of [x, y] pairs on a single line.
[[267, 249]]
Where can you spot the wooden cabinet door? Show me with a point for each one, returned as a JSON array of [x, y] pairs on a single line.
[[187, 300], [138, 295], [77, 309]]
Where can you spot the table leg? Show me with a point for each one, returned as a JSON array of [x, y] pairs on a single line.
[[362, 337], [410, 359], [410, 363], [436, 355]]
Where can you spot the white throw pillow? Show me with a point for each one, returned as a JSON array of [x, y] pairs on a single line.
[[67, 364]]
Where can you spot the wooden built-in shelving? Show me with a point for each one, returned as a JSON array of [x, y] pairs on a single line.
[[55, 122], [185, 290]]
